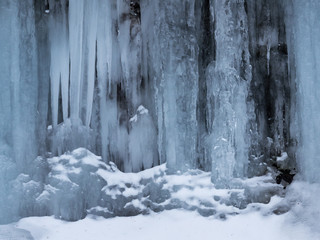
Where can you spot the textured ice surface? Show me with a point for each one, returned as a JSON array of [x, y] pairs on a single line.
[[199, 67], [302, 20], [19, 81], [142, 142], [229, 78]]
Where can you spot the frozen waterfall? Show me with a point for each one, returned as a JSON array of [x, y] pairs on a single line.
[[225, 86]]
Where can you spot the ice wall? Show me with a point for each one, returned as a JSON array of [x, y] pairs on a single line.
[[197, 84], [302, 23]]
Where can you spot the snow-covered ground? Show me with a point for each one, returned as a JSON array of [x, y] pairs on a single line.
[[174, 224], [256, 221], [157, 205]]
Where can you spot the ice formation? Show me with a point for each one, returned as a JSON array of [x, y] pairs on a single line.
[[225, 86], [304, 41]]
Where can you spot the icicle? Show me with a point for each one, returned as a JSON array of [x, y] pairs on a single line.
[[76, 10], [59, 52], [129, 39], [170, 115], [106, 80], [152, 68], [90, 33]]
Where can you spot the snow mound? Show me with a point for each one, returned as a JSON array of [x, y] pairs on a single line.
[[78, 183], [302, 199]]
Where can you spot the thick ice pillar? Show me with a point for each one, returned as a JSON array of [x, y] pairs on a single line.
[[43, 53], [19, 81], [303, 21], [228, 83], [174, 50]]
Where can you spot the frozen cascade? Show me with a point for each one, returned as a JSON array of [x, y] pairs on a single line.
[[226, 86], [304, 18]]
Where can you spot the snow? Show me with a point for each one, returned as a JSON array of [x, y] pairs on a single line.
[[283, 160], [283, 157], [174, 224], [293, 216]]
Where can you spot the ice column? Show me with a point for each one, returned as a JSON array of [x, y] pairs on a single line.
[[106, 110], [89, 58], [76, 21], [304, 24], [113, 132], [152, 67], [175, 52], [228, 83], [19, 81]]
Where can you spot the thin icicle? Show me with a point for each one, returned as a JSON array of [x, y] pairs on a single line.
[[76, 9], [108, 106], [91, 21]]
